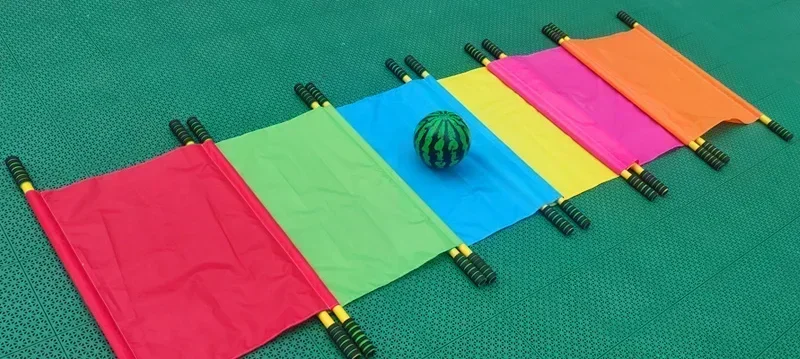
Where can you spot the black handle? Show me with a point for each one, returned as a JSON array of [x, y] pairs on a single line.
[[469, 269], [396, 70], [779, 130], [557, 220], [575, 214], [17, 170], [198, 129], [641, 187], [627, 19], [553, 32], [359, 337], [488, 272], [304, 95], [654, 182], [709, 158], [716, 152], [343, 341], [415, 65], [318, 95], [492, 48], [475, 53], [180, 132]]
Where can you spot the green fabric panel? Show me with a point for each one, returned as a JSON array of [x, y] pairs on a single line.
[[352, 217]]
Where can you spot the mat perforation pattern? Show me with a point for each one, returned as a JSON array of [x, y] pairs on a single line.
[[87, 87]]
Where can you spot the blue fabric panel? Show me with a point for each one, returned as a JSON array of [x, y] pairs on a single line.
[[489, 190]]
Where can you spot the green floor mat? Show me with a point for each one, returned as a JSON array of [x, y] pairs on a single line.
[[87, 87]]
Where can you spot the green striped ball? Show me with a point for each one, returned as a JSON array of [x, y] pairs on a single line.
[[442, 139]]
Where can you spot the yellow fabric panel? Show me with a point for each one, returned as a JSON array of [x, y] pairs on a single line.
[[542, 145]]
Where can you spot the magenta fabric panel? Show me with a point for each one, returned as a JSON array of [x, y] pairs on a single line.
[[584, 106]]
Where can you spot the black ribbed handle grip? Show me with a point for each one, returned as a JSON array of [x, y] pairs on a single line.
[[488, 272], [779, 130], [469, 269], [492, 48], [343, 341], [318, 95], [654, 182], [198, 129], [558, 220], [709, 158], [553, 32], [360, 338], [475, 53], [396, 69], [17, 170], [304, 95], [627, 19], [642, 187], [716, 152], [415, 65], [180, 132], [575, 214]]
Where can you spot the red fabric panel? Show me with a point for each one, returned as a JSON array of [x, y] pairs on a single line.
[[79, 277], [184, 265]]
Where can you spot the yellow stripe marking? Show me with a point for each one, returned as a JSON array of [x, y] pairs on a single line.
[[485, 62], [325, 318], [340, 313], [406, 78], [26, 187], [765, 119], [326, 104], [502, 56], [694, 146], [314, 105], [636, 168], [453, 252], [464, 249], [425, 74], [625, 174]]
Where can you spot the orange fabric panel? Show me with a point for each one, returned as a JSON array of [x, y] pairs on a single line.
[[671, 89]]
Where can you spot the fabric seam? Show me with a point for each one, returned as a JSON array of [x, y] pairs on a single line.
[[395, 178], [509, 73], [261, 220]]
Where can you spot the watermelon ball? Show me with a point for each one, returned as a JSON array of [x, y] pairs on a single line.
[[442, 139]]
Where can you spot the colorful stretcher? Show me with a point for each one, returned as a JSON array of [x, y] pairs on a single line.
[[212, 250]]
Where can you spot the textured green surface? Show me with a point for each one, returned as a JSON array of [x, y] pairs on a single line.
[[709, 271]]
